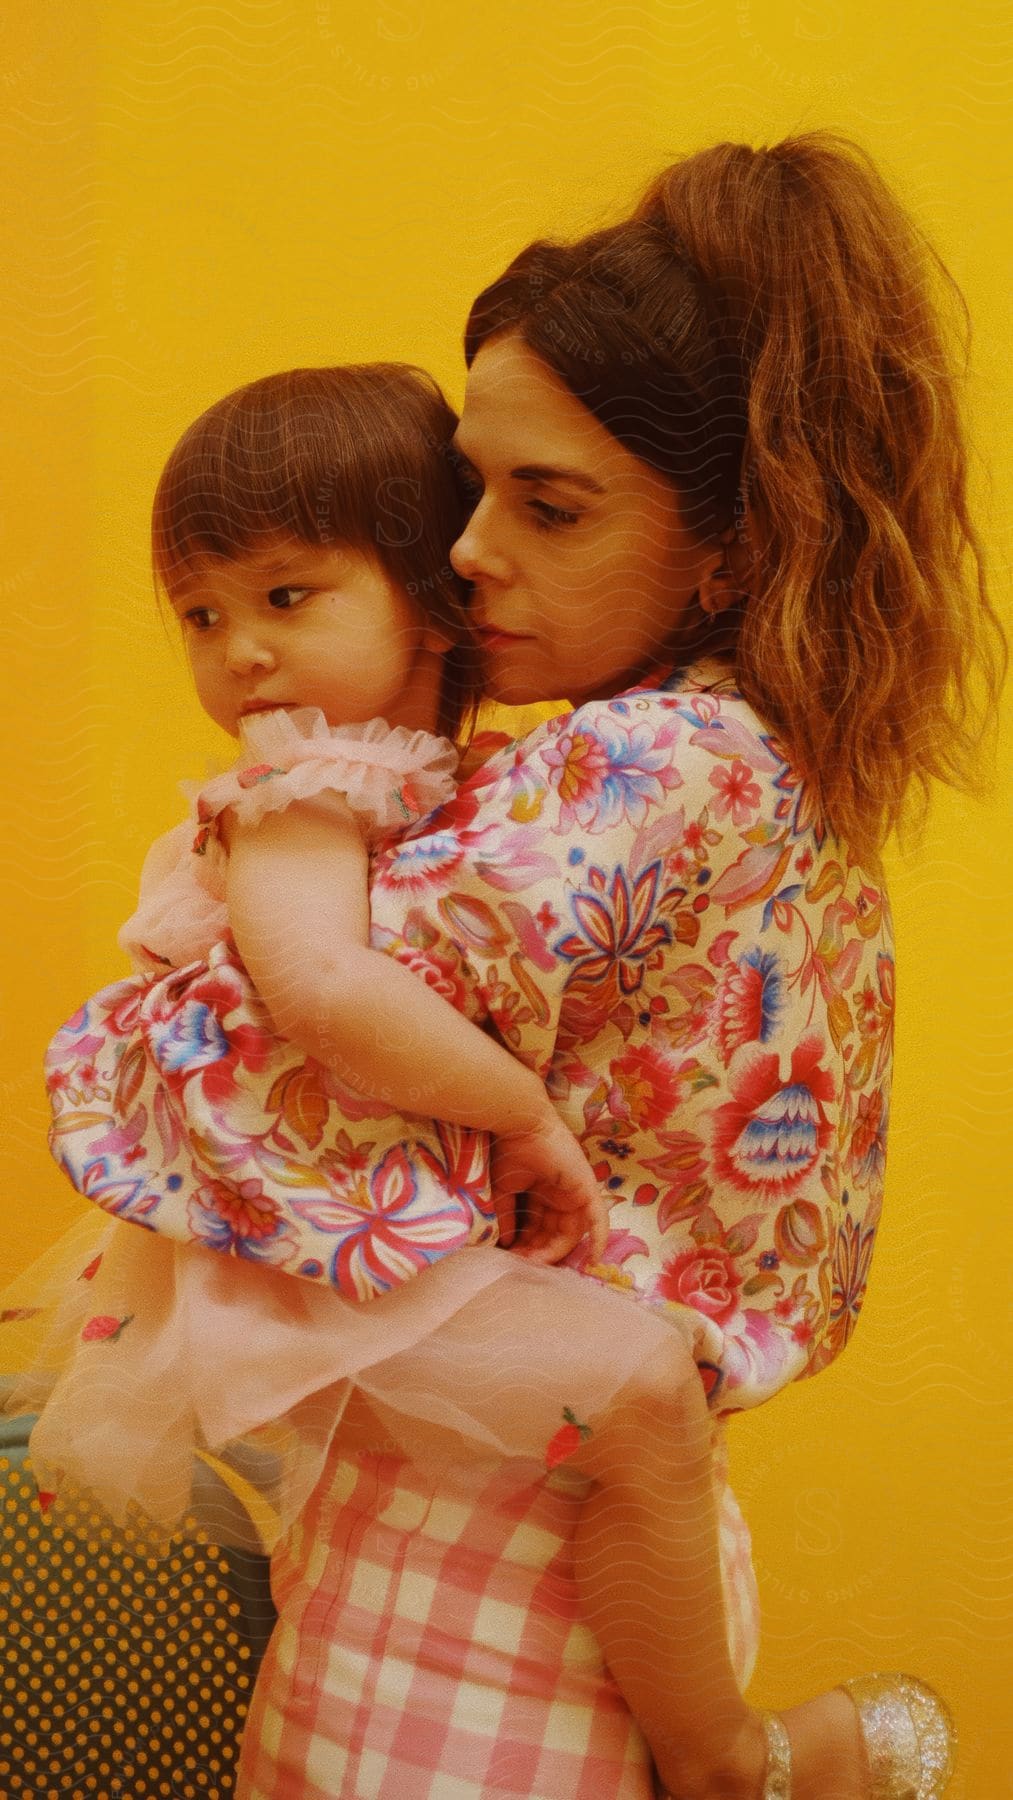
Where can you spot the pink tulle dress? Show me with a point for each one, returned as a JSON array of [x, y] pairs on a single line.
[[146, 1341]]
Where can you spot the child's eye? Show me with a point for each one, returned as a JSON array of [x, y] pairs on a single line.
[[549, 518], [279, 596]]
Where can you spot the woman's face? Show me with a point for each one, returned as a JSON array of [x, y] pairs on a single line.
[[581, 566]]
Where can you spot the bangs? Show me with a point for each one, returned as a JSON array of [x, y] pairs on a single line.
[[358, 457], [314, 454]]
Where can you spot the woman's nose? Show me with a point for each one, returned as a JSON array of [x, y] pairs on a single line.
[[474, 556]]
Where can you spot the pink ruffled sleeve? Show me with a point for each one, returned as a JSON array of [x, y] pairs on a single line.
[[181, 910], [389, 776]]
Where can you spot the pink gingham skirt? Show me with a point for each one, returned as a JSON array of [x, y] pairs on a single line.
[[429, 1644]]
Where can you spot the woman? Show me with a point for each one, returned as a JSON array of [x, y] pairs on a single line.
[[720, 506]]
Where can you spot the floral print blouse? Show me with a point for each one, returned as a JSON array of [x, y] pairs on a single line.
[[640, 900]]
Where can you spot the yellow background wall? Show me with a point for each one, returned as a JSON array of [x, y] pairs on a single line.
[[202, 193]]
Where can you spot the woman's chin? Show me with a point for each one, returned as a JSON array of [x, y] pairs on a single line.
[[505, 689]]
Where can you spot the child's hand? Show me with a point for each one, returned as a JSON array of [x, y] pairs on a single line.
[[563, 1201]]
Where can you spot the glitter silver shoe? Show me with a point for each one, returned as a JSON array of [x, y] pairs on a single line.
[[908, 1732], [909, 1735]]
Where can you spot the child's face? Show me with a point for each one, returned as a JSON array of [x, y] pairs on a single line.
[[295, 624]]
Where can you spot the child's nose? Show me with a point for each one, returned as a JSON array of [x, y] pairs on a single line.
[[247, 649]]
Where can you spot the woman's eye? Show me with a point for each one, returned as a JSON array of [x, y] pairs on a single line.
[[191, 618], [282, 597], [547, 517]]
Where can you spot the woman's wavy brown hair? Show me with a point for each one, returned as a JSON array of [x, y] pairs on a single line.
[[771, 331], [358, 455]]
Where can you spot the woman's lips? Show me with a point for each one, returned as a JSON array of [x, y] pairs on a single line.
[[491, 638]]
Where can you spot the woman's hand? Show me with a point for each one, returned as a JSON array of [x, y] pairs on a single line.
[[562, 1201]]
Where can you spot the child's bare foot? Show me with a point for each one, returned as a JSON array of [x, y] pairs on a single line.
[[828, 1760]]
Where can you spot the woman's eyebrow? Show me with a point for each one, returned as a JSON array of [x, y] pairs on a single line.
[[539, 472], [543, 472]]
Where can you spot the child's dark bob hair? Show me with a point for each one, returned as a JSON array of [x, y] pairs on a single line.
[[359, 456]]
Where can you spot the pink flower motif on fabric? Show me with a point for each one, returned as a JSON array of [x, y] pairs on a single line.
[[749, 1002], [416, 865], [737, 792], [385, 1235], [243, 1208], [248, 778], [706, 1278], [104, 1329], [607, 772], [644, 1087]]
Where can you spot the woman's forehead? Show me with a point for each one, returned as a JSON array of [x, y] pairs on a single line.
[[515, 405]]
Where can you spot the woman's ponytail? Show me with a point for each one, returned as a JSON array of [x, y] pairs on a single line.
[[870, 640]]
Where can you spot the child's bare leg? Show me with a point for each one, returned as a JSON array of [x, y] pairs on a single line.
[[649, 1578]]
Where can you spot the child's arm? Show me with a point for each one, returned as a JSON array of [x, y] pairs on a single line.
[[648, 1574], [298, 901]]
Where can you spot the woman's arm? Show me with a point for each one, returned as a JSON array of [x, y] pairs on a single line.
[[297, 894]]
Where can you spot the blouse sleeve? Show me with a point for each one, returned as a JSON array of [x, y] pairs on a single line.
[[654, 920]]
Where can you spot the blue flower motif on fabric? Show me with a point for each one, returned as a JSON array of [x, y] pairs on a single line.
[[193, 1039], [768, 968], [238, 1219], [605, 771], [784, 1134], [416, 862], [617, 928], [130, 1198]]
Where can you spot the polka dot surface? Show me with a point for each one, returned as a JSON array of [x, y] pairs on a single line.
[[124, 1672]]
